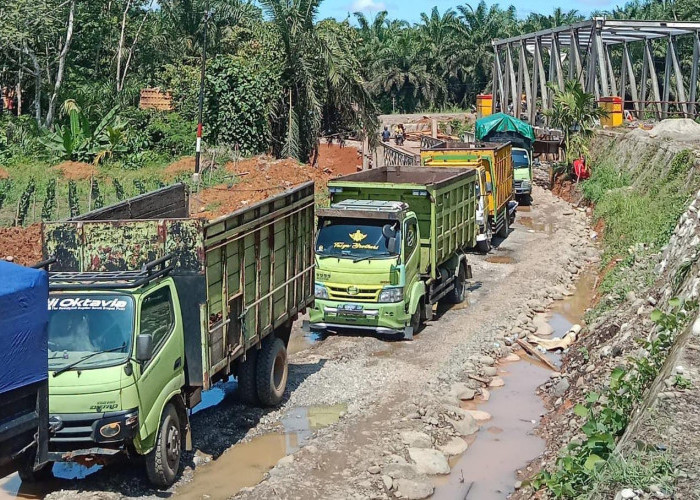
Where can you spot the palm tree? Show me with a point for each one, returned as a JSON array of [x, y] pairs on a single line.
[[472, 65], [401, 71], [318, 66], [574, 111]]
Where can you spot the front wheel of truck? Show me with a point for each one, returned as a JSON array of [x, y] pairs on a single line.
[[272, 371], [163, 461], [484, 246]]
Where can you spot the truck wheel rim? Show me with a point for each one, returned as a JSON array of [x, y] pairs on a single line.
[[278, 370], [173, 445]]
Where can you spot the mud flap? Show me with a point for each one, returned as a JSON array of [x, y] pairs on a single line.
[[428, 312], [408, 333], [306, 326]]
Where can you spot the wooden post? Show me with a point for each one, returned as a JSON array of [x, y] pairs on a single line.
[[602, 68], [543, 76], [653, 77], [694, 75], [494, 79], [533, 92], [575, 52], [515, 97], [667, 80], [611, 73], [629, 71], [680, 86], [522, 63]]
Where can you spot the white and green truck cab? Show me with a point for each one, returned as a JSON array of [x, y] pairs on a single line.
[[522, 173], [148, 308], [391, 245]]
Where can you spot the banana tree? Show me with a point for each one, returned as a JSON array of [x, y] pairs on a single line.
[[78, 140]]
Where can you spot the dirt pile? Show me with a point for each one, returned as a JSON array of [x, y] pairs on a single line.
[[22, 244], [255, 179], [4, 174], [340, 160], [76, 170]]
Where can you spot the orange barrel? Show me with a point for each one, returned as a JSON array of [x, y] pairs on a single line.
[[483, 105], [613, 105]]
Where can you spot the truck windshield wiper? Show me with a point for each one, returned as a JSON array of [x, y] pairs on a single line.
[[85, 358], [382, 254]]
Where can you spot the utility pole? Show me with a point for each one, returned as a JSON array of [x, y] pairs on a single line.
[[198, 150]]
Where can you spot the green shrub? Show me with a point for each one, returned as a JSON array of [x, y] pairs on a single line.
[[604, 177], [24, 202], [73, 201], [49, 207]]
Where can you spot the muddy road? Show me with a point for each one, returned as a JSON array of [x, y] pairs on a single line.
[[358, 407]]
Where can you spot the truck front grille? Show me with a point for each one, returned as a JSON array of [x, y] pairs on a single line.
[[75, 429], [354, 293]]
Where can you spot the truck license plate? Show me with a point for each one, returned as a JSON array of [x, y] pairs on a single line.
[[350, 308]]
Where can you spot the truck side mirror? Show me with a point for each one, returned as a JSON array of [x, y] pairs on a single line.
[[391, 244], [388, 231], [144, 347], [489, 187]]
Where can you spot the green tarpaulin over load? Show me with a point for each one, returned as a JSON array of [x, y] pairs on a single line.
[[501, 122]]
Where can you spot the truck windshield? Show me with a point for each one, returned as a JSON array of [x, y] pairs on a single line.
[[82, 324], [354, 239], [520, 159]]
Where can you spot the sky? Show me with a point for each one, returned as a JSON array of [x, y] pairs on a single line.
[[410, 10]]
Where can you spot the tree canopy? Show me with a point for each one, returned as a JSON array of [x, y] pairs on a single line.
[[280, 76]]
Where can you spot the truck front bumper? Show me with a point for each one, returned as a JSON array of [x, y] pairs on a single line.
[[383, 318], [84, 437]]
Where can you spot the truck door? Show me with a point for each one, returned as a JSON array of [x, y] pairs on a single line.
[[164, 372], [412, 257]]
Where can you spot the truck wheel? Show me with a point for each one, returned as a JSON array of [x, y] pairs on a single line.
[[163, 462], [459, 292], [505, 228], [26, 472], [484, 246], [247, 386], [272, 371]]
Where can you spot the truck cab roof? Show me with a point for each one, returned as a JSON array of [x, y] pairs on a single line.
[[378, 209]]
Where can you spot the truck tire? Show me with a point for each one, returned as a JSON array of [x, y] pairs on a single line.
[[26, 471], [272, 371], [459, 291], [505, 228], [247, 374], [163, 461], [484, 246]]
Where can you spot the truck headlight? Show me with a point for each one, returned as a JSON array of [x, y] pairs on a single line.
[[391, 295], [526, 184], [320, 292], [110, 430]]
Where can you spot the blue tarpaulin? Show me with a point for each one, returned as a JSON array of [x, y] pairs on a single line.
[[24, 315]]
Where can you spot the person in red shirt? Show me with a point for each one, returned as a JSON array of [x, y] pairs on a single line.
[[581, 169]]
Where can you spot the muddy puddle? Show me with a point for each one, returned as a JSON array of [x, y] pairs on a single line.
[[500, 259], [507, 441], [13, 487], [300, 341], [245, 464], [535, 226]]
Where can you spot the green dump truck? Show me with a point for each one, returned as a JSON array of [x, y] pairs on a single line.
[[492, 161], [391, 245], [503, 128], [148, 308]]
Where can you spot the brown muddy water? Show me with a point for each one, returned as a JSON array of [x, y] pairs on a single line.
[[507, 442], [245, 464]]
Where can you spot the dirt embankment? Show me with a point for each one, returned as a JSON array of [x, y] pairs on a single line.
[[663, 423], [254, 180], [76, 170], [262, 176]]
